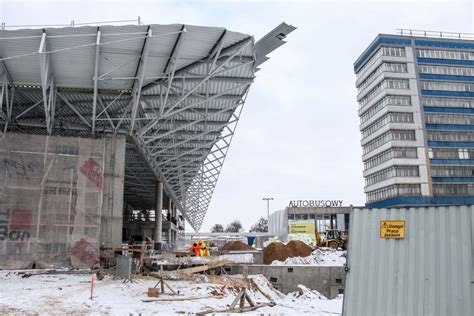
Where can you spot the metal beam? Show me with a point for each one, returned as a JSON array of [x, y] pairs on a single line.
[[96, 72], [47, 83], [197, 63], [140, 73], [73, 108]]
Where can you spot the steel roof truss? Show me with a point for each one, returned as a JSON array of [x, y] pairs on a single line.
[[73, 108], [137, 87], [47, 83], [155, 121]]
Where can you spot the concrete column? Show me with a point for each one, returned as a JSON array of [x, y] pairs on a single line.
[[158, 209], [170, 209], [112, 194]]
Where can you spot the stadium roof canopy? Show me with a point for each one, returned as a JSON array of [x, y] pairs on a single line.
[[177, 91]]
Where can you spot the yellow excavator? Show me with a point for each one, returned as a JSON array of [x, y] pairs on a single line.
[[333, 239]]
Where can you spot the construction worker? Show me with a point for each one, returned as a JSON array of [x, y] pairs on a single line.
[[195, 249], [200, 247], [204, 250]]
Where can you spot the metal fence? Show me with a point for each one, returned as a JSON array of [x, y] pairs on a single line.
[[427, 271]]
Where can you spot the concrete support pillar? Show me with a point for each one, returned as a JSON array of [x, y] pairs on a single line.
[[158, 211], [112, 194], [170, 210]]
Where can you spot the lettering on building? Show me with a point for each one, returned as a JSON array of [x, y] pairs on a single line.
[[315, 203]]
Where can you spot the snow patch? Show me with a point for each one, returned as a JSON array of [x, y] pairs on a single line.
[[319, 257]]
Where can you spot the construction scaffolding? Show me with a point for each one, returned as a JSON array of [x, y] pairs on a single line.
[[50, 201]]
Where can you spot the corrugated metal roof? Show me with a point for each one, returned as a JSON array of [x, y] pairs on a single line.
[[429, 272], [192, 78]]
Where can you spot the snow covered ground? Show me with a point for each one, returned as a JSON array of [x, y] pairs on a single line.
[[319, 257], [70, 293]]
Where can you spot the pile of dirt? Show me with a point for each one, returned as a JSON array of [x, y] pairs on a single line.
[[274, 251], [281, 252], [236, 245], [297, 248]]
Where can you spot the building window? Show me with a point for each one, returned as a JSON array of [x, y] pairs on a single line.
[[394, 152], [450, 136], [463, 153], [444, 54], [382, 51], [453, 189], [448, 102], [447, 86], [452, 171], [385, 67], [386, 84], [391, 117], [386, 101], [445, 70], [394, 190], [444, 153], [458, 119], [392, 172]]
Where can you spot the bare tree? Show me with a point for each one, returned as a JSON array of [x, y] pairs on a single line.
[[234, 227], [217, 228], [261, 226]]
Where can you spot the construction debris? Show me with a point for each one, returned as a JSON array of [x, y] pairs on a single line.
[[69, 293]]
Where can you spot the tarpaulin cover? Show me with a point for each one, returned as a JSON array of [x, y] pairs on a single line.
[[278, 224], [50, 201]]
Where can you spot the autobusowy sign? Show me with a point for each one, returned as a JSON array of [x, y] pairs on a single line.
[[392, 229], [315, 203]]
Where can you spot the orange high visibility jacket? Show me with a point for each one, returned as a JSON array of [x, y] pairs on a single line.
[[197, 250]]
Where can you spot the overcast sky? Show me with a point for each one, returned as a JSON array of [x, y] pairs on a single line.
[[298, 136]]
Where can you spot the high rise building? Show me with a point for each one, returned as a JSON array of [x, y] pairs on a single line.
[[416, 110]]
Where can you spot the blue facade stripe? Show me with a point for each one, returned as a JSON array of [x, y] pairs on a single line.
[[422, 60], [446, 77], [452, 161], [438, 109], [381, 40], [428, 201], [450, 127], [451, 144], [452, 179], [440, 93], [449, 44]]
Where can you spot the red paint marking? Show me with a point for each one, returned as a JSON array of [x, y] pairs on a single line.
[[92, 170], [86, 252], [20, 219]]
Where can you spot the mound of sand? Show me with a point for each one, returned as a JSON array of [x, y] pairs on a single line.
[[281, 252], [297, 248], [274, 251], [236, 245]]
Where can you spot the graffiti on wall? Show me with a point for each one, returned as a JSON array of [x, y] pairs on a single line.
[[93, 171], [19, 168], [15, 224]]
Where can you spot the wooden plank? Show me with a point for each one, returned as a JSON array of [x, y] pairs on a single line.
[[205, 267], [261, 291], [187, 298], [236, 300], [233, 310]]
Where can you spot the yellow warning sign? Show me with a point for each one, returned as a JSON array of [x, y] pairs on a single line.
[[392, 229]]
